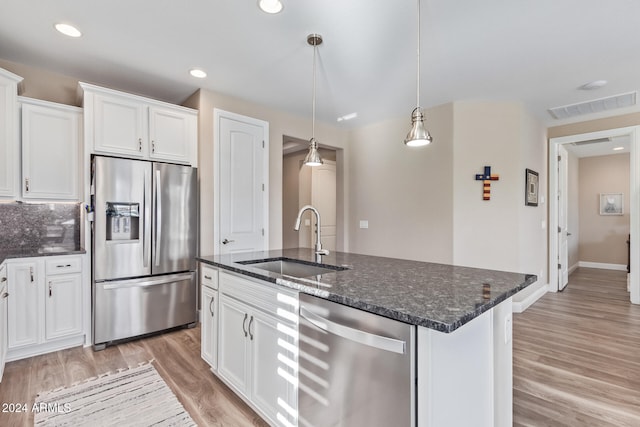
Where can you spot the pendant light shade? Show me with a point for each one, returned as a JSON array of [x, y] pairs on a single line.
[[418, 136], [313, 156]]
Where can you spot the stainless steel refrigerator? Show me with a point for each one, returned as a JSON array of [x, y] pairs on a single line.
[[144, 248]]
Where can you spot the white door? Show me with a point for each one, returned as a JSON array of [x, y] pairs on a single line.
[[233, 355], [50, 147], [272, 387], [209, 311], [242, 179], [323, 198], [23, 310], [563, 233]]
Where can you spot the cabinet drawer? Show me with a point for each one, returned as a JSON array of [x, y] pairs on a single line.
[[63, 265], [208, 276], [276, 300]]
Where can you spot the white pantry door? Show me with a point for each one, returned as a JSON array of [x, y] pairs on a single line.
[[323, 198], [242, 165]]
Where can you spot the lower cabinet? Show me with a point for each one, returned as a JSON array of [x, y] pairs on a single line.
[[209, 312], [256, 353], [3, 318], [45, 311]]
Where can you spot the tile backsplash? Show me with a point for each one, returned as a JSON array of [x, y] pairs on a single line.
[[44, 226]]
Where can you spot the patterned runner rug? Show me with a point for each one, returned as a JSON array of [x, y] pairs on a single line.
[[133, 397]]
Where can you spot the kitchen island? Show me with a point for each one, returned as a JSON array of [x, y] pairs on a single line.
[[461, 317]]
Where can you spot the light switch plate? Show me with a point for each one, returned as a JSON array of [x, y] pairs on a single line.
[[364, 223]]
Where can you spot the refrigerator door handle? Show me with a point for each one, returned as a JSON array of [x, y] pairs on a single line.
[[158, 217], [362, 337], [146, 223]]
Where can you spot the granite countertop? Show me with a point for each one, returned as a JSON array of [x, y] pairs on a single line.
[[437, 296], [6, 253]]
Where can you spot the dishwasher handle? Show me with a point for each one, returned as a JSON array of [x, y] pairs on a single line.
[[362, 337]]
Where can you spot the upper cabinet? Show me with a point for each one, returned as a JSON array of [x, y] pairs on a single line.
[[9, 131], [51, 148], [126, 125]]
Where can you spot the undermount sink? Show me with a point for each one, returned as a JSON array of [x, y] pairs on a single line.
[[291, 267]]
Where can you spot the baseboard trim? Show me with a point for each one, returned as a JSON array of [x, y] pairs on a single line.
[[602, 265], [574, 267], [520, 306]]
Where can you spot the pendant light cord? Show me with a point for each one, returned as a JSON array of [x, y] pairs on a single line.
[[418, 76], [313, 102]]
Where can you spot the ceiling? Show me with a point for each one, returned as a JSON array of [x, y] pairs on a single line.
[[600, 147], [537, 52]]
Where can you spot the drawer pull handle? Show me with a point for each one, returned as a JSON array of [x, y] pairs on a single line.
[[31, 273], [211, 306], [6, 295], [50, 292], [63, 266], [207, 277], [4, 279], [249, 328], [244, 323]]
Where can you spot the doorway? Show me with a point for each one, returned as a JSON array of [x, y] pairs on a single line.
[[560, 193], [304, 185]]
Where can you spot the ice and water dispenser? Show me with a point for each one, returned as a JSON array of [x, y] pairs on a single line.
[[123, 221]]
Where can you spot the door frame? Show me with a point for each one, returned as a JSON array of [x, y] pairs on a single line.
[[219, 114], [634, 212]]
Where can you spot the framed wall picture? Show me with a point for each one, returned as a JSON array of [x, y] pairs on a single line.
[[531, 188], [611, 203]]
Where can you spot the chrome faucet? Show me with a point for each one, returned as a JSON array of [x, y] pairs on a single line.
[[319, 250]]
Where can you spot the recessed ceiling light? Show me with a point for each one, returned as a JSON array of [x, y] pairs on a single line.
[[270, 6], [68, 30], [196, 72], [348, 117], [618, 148], [596, 84]]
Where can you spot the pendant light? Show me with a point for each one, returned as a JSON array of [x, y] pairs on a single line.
[[313, 157], [418, 136]]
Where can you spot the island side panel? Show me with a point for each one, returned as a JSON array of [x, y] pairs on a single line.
[[503, 363], [456, 375]]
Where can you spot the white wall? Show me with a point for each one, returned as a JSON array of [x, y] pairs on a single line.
[[406, 194]]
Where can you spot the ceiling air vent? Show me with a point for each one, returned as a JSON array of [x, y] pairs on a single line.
[[595, 106]]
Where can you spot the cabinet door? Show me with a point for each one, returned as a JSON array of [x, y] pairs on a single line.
[[233, 355], [9, 152], [50, 151], [171, 133], [4, 342], [119, 126], [23, 310], [63, 306], [273, 367], [209, 312]]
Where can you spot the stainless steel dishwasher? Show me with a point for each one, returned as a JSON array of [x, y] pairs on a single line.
[[355, 368]]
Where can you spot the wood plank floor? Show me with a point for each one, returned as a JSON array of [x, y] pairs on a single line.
[[576, 355], [177, 359]]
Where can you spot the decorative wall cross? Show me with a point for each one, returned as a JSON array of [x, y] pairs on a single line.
[[486, 179]]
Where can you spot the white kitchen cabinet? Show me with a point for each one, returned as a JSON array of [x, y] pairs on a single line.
[[51, 136], [9, 134], [25, 289], [4, 331], [63, 306], [126, 125], [257, 339], [45, 305], [171, 133], [209, 330]]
